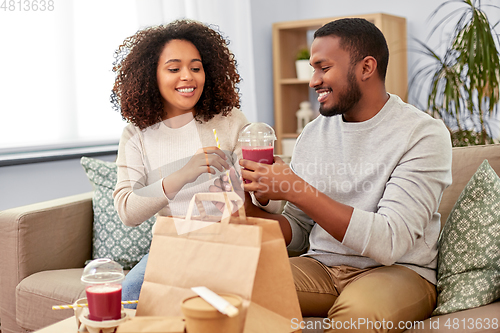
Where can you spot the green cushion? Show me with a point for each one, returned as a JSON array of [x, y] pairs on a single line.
[[469, 246], [112, 239]]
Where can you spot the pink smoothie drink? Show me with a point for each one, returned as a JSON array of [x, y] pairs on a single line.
[[259, 154], [104, 302]]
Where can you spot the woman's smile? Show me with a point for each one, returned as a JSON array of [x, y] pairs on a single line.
[[180, 77]]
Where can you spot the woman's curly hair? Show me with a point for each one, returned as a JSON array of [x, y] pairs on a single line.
[[136, 94]]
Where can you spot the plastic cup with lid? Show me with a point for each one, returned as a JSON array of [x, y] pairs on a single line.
[[257, 142], [103, 285]]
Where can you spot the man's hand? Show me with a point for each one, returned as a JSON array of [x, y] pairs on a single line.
[[228, 182], [271, 182]]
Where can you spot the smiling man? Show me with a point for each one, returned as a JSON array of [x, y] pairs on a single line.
[[363, 189]]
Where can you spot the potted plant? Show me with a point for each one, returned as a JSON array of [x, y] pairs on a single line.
[[465, 80], [302, 66]]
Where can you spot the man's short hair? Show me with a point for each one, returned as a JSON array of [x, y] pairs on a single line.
[[360, 38]]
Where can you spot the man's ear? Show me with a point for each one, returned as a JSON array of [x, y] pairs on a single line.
[[369, 68]]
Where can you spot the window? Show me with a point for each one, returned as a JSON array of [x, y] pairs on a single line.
[[56, 75], [56, 66]]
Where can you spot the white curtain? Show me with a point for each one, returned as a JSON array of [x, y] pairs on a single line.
[[56, 77]]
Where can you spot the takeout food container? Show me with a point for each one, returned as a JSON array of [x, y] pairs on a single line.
[[201, 317]]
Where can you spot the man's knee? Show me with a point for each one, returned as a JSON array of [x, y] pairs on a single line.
[[347, 309], [358, 316]]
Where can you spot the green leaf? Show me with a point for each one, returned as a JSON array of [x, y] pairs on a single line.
[[465, 81]]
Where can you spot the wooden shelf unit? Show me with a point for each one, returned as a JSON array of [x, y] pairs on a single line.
[[290, 36]]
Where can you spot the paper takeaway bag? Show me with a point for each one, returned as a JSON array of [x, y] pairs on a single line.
[[240, 255], [153, 325]]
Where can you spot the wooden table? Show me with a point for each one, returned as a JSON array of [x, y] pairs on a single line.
[[68, 325]]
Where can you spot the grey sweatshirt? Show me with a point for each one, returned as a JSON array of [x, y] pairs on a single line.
[[392, 169]]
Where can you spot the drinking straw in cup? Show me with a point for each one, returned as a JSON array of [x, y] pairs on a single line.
[[216, 138], [227, 172]]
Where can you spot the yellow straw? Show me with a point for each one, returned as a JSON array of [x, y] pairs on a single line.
[[216, 138], [130, 302], [218, 146], [63, 307]]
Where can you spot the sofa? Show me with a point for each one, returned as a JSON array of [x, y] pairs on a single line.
[[45, 247]]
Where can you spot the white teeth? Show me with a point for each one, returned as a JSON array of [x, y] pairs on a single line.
[[322, 94], [186, 90]]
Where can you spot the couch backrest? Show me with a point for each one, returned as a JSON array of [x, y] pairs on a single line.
[[465, 162]]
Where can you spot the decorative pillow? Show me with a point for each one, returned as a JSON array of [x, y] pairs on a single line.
[[112, 239], [469, 246]]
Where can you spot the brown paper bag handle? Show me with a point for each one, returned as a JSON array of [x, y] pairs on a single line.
[[226, 197]]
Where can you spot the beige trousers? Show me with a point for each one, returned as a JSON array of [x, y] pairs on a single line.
[[382, 299]]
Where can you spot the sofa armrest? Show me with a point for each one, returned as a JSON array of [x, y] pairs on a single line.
[[54, 234]]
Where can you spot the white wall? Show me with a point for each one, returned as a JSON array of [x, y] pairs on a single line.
[[418, 26], [25, 184], [30, 183], [264, 14]]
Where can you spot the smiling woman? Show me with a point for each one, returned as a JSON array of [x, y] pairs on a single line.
[[154, 56], [175, 84]]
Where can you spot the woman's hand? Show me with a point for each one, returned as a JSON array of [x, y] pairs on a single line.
[[205, 160]]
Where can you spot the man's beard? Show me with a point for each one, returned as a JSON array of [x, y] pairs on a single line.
[[347, 98]]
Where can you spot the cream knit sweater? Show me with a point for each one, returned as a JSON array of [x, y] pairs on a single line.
[[146, 157]]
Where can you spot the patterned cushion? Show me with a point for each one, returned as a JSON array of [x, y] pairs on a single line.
[[469, 247], [112, 239]]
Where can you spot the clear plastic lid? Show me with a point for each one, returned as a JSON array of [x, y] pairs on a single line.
[[257, 132], [102, 271]]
